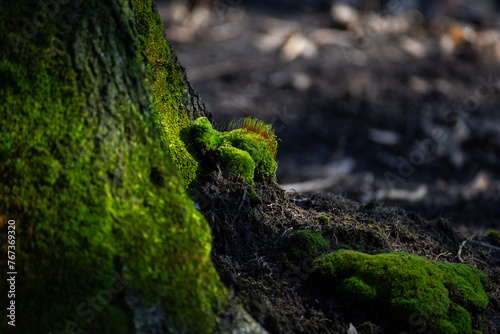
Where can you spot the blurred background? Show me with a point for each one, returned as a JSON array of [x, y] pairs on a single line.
[[396, 102]]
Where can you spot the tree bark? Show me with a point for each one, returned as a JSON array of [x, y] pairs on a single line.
[[92, 101]]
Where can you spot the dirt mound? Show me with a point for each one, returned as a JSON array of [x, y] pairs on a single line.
[[251, 250]]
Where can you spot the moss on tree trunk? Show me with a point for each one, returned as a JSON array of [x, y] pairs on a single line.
[[88, 90]]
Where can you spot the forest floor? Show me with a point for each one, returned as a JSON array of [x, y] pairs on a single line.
[[389, 110], [376, 106], [253, 232]]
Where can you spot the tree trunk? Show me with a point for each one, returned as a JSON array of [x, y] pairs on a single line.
[[103, 225]]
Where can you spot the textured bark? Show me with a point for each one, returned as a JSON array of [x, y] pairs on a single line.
[[194, 104], [85, 176]]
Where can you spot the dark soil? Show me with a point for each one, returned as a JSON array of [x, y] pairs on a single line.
[[251, 230]]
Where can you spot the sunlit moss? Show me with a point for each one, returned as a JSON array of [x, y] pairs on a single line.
[[168, 88], [237, 162], [205, 142], [402, 285]]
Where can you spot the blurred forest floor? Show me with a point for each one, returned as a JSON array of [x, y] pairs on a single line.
[[377, 102]]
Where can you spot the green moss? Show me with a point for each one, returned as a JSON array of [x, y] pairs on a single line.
[[232, 149], [84, 175], [305, 243], [256, 126], [203, 136], [402, 285], [168, 88], [258, 148], [323, 220], [358, 289], [237, 162], [256, 199], [493, 237]]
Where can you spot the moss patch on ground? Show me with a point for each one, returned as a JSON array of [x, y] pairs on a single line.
[[404, 285], [248, 151], [306, 244]]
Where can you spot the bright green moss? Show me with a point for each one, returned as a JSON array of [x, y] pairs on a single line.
[[231, 149], [203, 136], [403, 285], [237, 162], [83, 174], [305, 243], [259, 149], [168, 88]]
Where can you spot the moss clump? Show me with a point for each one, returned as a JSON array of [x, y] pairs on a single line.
[[403, 285], [305, 243], [231, 150], [323, 220], [257, 127], [204, 136], [493, 237], [237, 162]]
